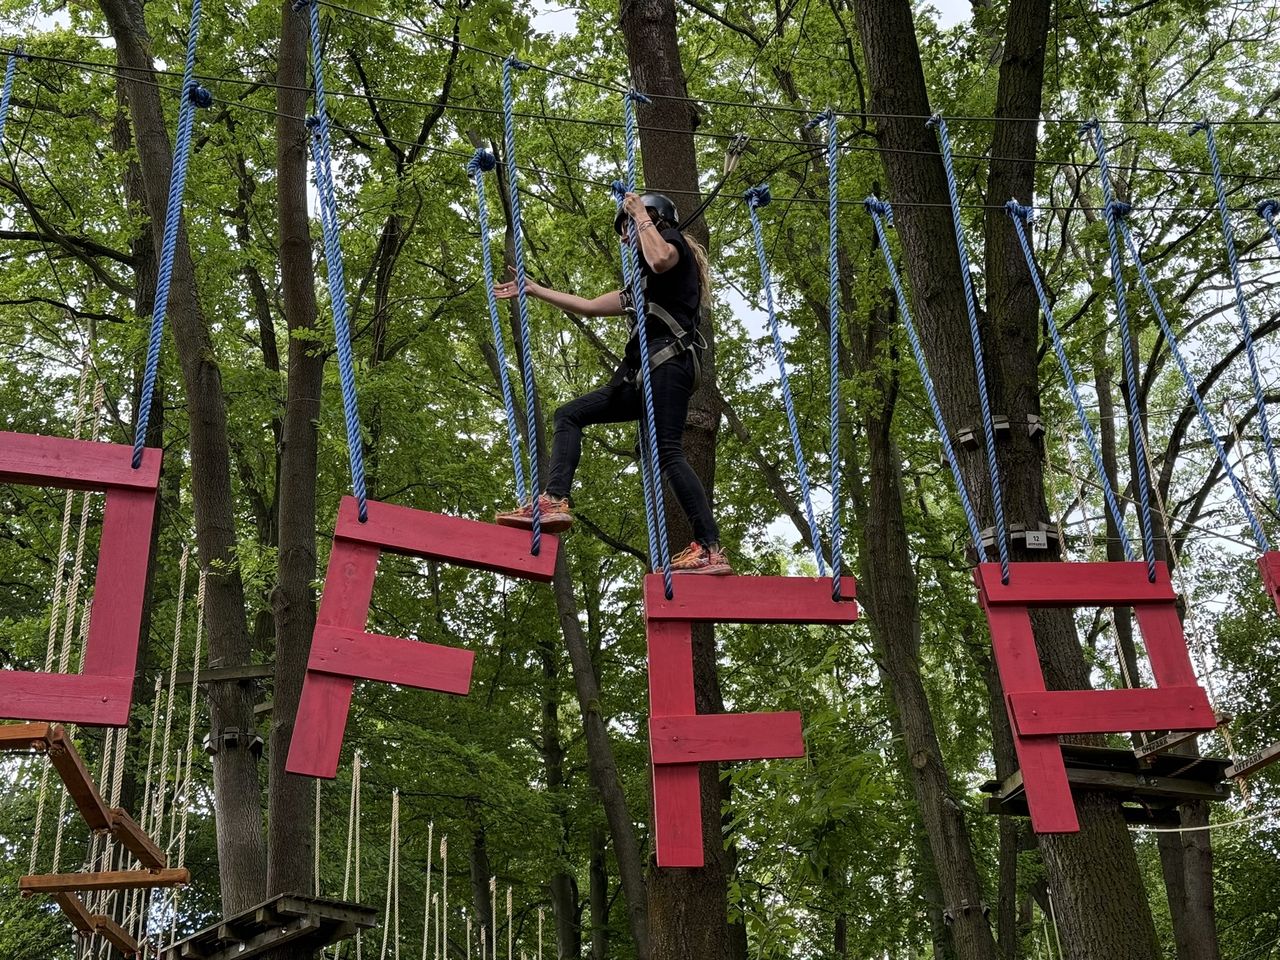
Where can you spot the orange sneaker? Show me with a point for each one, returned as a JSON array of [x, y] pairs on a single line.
[[553, 515], [697, 558]]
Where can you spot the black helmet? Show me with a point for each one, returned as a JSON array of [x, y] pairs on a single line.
[[660, 207]]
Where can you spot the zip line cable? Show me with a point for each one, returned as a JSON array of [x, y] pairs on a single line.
[[108, 69]]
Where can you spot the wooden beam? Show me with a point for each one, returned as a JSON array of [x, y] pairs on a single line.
[[750, 600], [93, 701], [1034, 584], [106, 880], [1254, 762], [1153, 748], [76, 912], [79, 782], [372, 656], [247, 671], [115, 935], [1061, 712], [725, 737], [75, 464], [25, 737], [127, 832], [452, 540]]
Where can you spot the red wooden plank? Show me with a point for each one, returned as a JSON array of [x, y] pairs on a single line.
[[1166, 643], [316, 746], [750, 600], [75, 464], [455, 540], [1073, 584], [69, 698], [1269, 564], [725, 737], [670, 668], [1061, 712], [115, 620], [372, 656], [677, 815]]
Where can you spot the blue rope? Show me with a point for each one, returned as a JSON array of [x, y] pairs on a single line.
[[1242, 309], [655, 509], [522, 297], [1021, 214], [1111, 212], [193, 96], [482, 162], [6, 93], [880, 209], [758, 197], [988, 424], [322, 159], [1188, 380], [833, 348], [1267, 210]]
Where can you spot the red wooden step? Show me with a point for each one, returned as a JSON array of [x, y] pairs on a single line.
[[734, 599]]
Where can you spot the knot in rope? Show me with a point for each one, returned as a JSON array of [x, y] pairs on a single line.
[[1119, 209], [619, 191], [516, 63], [482, 162], [313, 123], [826, 116], [200, 96], [635, 96], [758, 196], [301, 5], [1019, 211], [1088, 126], [936, 121], [1268, 208], [880, 208], [1198, 127]]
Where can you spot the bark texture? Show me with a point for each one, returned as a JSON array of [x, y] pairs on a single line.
[[238, 796]]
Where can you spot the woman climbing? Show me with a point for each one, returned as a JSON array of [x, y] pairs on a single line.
[[675, 275]]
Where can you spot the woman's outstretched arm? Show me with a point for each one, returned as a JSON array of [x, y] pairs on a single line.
[[606, 305]]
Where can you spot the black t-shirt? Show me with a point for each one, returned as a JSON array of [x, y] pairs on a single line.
[[677, 290]]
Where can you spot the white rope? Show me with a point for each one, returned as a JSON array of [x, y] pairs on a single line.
[[493, 918], [315, 844], [391, 916], [1053, 916], [166, 752], [540, 933], [191, 720], [435, 904], [1139, 828], [353, 846], [426, 899], [511, 927], [444, 892]]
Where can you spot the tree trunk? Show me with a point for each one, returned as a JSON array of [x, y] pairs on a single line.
[[687, 907], [237, 793], [564, 886], [481, 899], [290, 843], [1097, 886], [599, 895]]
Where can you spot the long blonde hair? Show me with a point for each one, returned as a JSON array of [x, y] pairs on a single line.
[[704, 268]]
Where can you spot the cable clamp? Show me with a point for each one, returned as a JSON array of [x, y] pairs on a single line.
[[964, 909], [234, 738]]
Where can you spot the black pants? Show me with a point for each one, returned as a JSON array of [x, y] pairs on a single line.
[[619, 402]]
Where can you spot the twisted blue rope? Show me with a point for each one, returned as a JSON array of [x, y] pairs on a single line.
[[756, 198], [522, 296], [833, 349], [192, 96], [482, 162], [1021, 214], [1242, 309], [1267, 210], [1111, 212], [880, 209], [1189, 381], [655, 509], [988, 424], [322, 160], [6, 93]]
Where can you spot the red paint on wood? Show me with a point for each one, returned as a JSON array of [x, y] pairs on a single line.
[[1074, 584], [1063, 712], [680, 738], [751, 600], [101, 694], [452, 540], [344, 611], [75, 464], [1039, 716], [372, 656], [725, 737], [1269, 564]]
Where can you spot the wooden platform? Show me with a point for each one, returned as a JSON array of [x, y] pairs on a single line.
[[287, 919], [1150, 790]]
